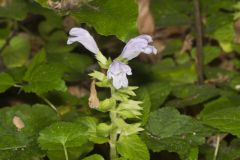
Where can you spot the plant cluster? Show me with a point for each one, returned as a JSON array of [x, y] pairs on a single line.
[[61, 98]]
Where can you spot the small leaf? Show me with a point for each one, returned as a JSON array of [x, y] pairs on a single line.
[[98, 75], [129, 109], [16, 54], [107, 104], [128, 129], [38, 59], [193, 154], [93, 134], [44, 78], [64, 135], [6, 81], [94, 157], [132, 147], [210, 53]]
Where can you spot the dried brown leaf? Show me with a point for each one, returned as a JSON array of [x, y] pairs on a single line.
[[237, 31], [18, 123], [187, 44], [145, 20], [93, 100]]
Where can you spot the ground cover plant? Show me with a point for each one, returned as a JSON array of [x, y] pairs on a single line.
[[119, 79]]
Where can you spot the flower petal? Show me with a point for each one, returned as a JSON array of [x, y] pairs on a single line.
[[137, 45], [83, 36], [118, 72]]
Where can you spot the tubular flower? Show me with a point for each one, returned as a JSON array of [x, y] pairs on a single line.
[[138, 45], [83, 36], [118, 71]]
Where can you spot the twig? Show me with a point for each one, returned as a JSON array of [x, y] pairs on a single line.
[[199, 42], [49, 103], [217, 147]]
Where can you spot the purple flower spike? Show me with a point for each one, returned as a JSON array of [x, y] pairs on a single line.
[[83, 36], [118, 72], [138, 45]]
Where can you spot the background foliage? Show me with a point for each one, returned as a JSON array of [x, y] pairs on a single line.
[[181, 119]]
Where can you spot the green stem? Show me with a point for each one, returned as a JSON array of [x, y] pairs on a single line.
[[48, 102], [17, 85], [113, 149], [113, 137], [65, 152], [217, 147]]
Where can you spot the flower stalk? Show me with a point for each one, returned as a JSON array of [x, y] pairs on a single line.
[[113, 137], [119, 106]]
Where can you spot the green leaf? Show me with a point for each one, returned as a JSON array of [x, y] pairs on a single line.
[[175, 74], [16, 54], [210, 53], [91, 124], [168, 130], [143, 95], [126, 128], [220, 26], [44, 78], [38, 59], [56, 41], [17, 73], [223, 116], [129, 109], [132, 148], [98, 75], [158, 93], [106, 104], [128, 90], [193, 155], [21, 143], [64, 137], [6, 81], [94, 157], [192, 94], [171, 13], [103, 18], [20, 9], [72, 64]]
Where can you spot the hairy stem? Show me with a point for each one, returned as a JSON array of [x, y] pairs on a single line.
[[199, 43], [217, 147], [113, 137]]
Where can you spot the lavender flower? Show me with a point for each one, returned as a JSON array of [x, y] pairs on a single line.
[[138, 45], [118, 71], [82, 36]]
